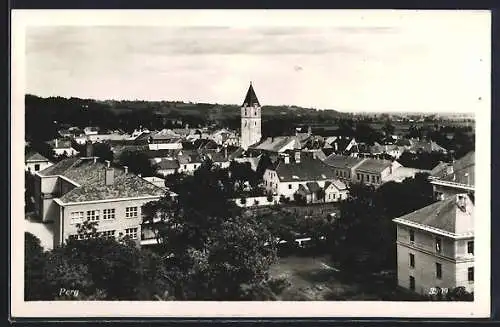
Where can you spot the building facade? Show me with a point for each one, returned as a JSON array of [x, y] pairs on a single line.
[[435, 246], [78, 189], [250, 119]]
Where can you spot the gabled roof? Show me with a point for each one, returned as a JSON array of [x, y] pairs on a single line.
[[90, 176], [375, 166], [250, 98], [313, 187], [343, 162], [167, 164], [446, 215], [277, 143], [34, 157], [306, 170], [463, 170], [337, 183]]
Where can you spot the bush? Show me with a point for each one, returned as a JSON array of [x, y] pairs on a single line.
[[278, 285]]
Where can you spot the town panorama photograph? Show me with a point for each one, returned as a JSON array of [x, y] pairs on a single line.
[[253, 163]]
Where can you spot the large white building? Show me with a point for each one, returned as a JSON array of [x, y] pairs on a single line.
[[250, 119], [435, 244]]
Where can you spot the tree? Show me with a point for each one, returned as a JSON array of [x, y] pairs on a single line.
[[137, 162], [388, 128], [34, 263], [214, 251], [103, 151]]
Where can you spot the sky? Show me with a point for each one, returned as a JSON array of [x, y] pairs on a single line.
[[418, 62]]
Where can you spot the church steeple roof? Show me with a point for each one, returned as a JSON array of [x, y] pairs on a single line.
[[251, 98]]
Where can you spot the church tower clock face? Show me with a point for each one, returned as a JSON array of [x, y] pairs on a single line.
[[250, 119]]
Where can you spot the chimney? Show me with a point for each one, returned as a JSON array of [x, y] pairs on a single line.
[[109, 176], [287, 158], [297, 156], [56, 142], [89, 149], [108, 164], [95, 159], [126, 169]]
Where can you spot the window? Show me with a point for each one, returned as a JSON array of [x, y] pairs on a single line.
[[336, 173], [108, 214], [334, 196], [470, 247], [412, 236], [107, 234], [470, 274], [412, 260], [37, 167], [438, 245], [131, 212], [289, 186], [245, 113], [76, 217], [131, 232], [439, 271], [358, 177], [373, 179], [412, 283], [378, 179], [93, 215], [185, 166]]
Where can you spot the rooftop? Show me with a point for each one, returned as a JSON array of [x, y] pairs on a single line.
[[463, 171], [276, 144], [90, 176], [250, 98], [374, 165], [307, 169], [166, 164], [34, 156], [453, 215], [340, 161]]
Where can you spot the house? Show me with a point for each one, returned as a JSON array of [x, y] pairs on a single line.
[[342, 144], [91, 130], [62, 147], [79, 189], [287, 175], [426, 146], [435, 246], [189, 161], [166, 144], [332, 191], [34, 161], [167, 166], [374, 171], [399, 174], [455, 178], [335, 191], [391, 150], [344, 166], [218, 158], [277, 144]]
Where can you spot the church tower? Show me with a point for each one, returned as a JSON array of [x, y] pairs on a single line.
[[250, 119]]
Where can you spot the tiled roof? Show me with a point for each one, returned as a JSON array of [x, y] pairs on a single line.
[[90, 177], [167, 164], [445, 215], [215, 156], [250, 98], [427, 146], [34, 156], [275, 144], [189, 156], [343, 162], [374, 165], [306, 170], [463, 170], [337, 183]]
